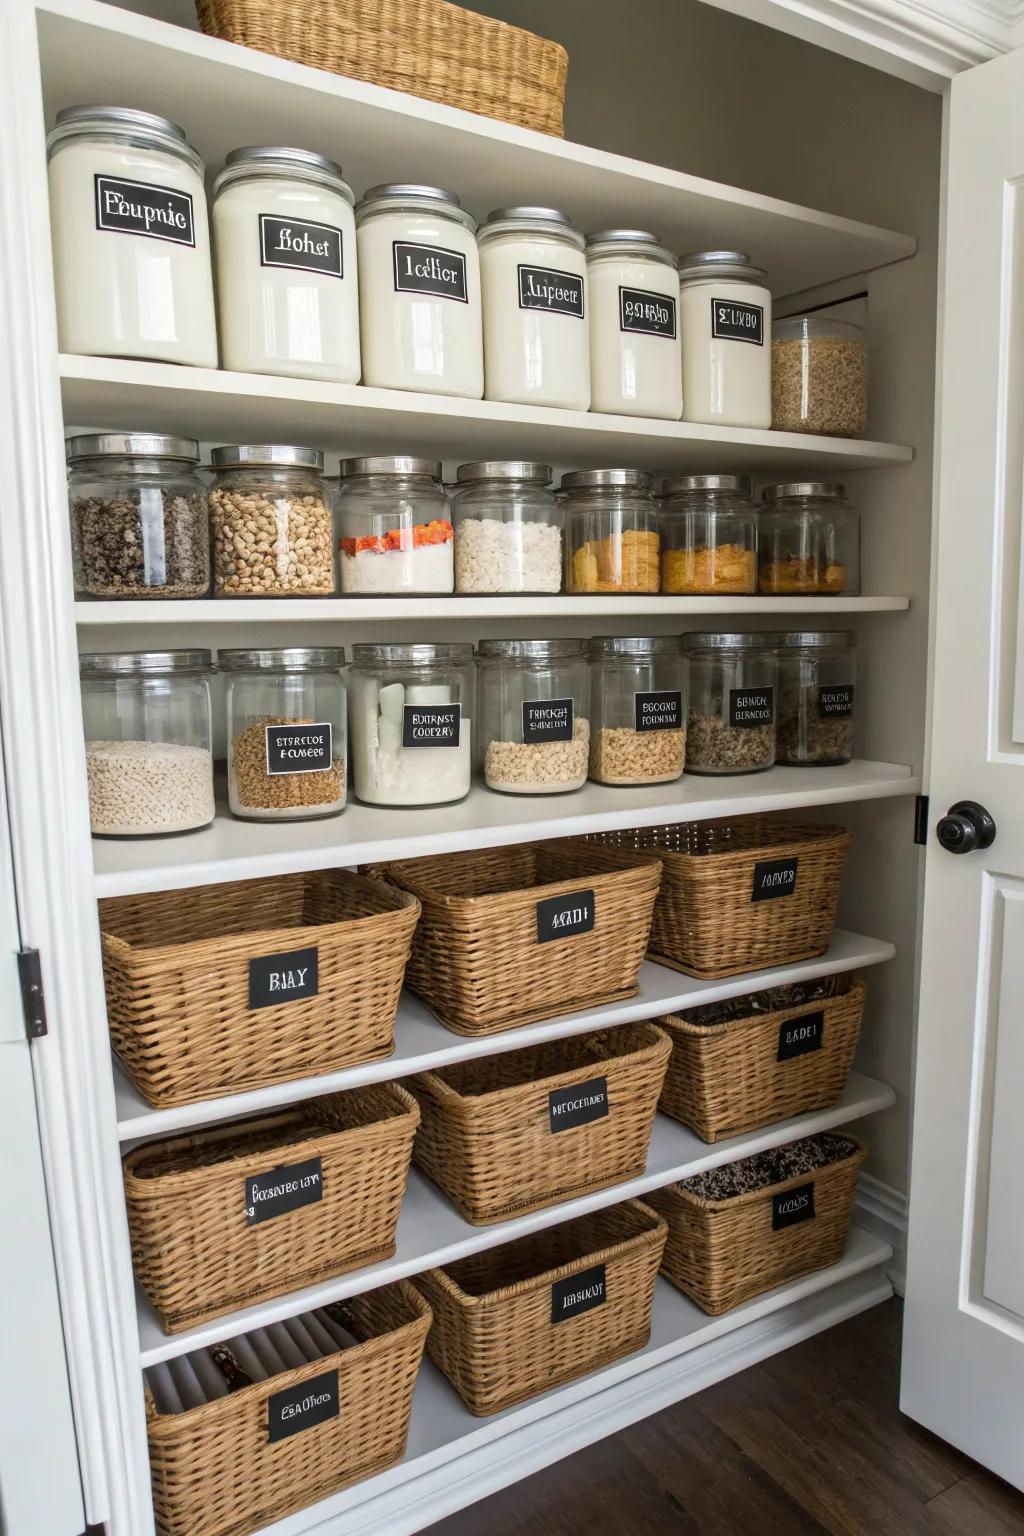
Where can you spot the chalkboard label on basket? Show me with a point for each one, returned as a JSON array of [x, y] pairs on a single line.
[[545, 288], [751, 706], [300, 748], [835, 702], [431, 725], [578, 1293], [578, 1105], [283, 978], [733, 321], [659, 710], [774, 878], [297, 1408], [143, 208], [792, 1206], [654, 314], [429, 269], [800, 1036], [301, 246], [547, 720], [283, 1189], [559, 917]]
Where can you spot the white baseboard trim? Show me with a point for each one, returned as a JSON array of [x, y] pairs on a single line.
[[882, 1210]]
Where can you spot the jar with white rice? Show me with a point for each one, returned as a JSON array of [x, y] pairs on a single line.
[[508, 528]]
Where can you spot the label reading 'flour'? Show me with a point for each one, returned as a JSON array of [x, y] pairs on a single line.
[[835, 701], [544, 288], [751, 706], [800, 1036], [792, 1206], [144, 208], [431, 725], [774, 878], [659, 710], [301, 246], [283, 1189], [547, 720], [578, 1105], [733, 321], [578, 1293], [652, 314], [429, 269], [299, 748], [298, 1408], [284, 978], [560, 917]]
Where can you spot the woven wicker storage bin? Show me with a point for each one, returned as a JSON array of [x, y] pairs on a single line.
[[764, 1066], [194, 1249], [425, 47], [215, 1472], [506, 1134], [723, 1252], [493, 1334], [477, 959], [177, 973]]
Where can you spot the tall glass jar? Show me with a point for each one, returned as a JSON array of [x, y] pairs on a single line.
[[817, 685], [534, 725], [731, 717], [726, 319], [819, 376], [638, 710], [611, 531], [410, 709], [635, 366], [808, 540], [394, 526], [139, 516], [508, 528], [708, 535], [270, 522], [148, 741]]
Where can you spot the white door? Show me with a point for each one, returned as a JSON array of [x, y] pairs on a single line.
[[963, 1362]]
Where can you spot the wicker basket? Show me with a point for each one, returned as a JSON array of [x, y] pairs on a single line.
[[200, 1248], [494, 1334], [215, 1470], [508, 1134], [723, 1252], [425, 47], [762, 1066], [478, 959], [187, 1009]]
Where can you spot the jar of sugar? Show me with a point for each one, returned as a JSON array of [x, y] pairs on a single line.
[[410, 710], [726, 319], [394, 526], [508, 528], [635, 366]]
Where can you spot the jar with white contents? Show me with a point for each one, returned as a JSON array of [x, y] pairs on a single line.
[[508, 528], [410, 709], [635, 365], [726, 318], [395, 526]]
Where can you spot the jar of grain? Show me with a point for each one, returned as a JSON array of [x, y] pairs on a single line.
[[635, 363], [808, 540], [270, 520], [410, 709], [286, 732], [508, 528], [819, 376], [611, 531], [708, 535], [395, 526], [534, 726], [638, 709], [817, 682], [726, 316], [731, 714], [148, 741]]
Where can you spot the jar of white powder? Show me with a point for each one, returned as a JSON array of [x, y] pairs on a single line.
[[409, 723], [508, 528], [394, 526]]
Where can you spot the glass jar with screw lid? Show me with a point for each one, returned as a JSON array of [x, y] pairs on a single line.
[[534, 726], [508, 528], [708, 535], [395, 527], [410, 709], [725, 312], [819, 376], [808, 540], [271, 523], [611, 531], [638, 709], [731, 715], [817, 682]]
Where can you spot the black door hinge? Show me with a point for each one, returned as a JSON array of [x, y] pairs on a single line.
[[95, 1530], [33, 1003], [921, 819]]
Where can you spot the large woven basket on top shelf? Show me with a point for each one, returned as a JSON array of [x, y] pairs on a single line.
[[425, 47]]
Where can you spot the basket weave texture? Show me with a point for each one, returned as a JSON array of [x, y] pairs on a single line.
[[214, 1471], [428, 48], [195, 1253], [493, 1336], [176, 966], [487, 1135]]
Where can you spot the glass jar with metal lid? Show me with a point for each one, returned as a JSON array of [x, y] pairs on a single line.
[[286, 730], [139, 516], [419, 282], [633, 283], [731, 714], [148, 741], [819, 376], [394, 526], [708, 535], [808, 540], [285, 244], [726, 321], [270, 522], [534, 725], [611, 531], [534, 275], [508, 528], [817, 684], [131, 240], [638, 708], [410, 709]]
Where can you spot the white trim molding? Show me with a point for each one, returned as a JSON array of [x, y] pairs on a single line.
[[882, 1211]]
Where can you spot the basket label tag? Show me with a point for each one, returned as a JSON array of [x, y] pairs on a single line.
[[578, 1293], [301, 246], [283, 1189], [285, 977], [300, 748], [751, 706], [144, 208], [559, 917], [298, 1408], [774, 878], [836, 701], [547, 720], [578, 1105], [800, 1036], [792, 1206], [653, 314], [545, 288], [429, 269], [732, 320], [659, 710], [431, 725]]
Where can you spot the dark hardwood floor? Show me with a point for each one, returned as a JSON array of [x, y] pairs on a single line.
[[809, 1442]]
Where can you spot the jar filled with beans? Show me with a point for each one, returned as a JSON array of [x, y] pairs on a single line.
[[270, 521]]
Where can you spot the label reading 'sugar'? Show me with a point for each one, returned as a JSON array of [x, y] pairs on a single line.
[[653, 314], [283, 1189], [559, 917], [578, 1293], [429, 269], [544, 288], [144, 208], [297, 1408], [431, 725]]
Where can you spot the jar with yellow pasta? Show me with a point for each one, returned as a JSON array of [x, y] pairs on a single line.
[[708, 536], [611, 531]]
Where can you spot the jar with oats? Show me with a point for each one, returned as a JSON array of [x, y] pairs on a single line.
[[534, 712], [270, 522], [819, 376], [808, 540], [611, 531], [638, 709], [708, 535]]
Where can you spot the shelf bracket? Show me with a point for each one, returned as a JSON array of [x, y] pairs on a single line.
[[33, 1003]]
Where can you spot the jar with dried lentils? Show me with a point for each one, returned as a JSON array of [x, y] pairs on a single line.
[[731, 715], [534, 715], [286, 713], [638, 709], [708, 536], [271, 524], [611, 531]]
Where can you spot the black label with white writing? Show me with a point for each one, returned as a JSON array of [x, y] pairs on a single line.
[[578, 1293], [733, 321], [578, 1105], [792, 1206], [559, 917], [659, 710], [835, 701], [299, 748], [800, 1036], [143, 208], [653, 314], [751, 706], [283, 978], [283, 1189], [298, 1408], [773, 878], [301, 246], [429, 269], [543, 288], [431, 725], [547, 720]]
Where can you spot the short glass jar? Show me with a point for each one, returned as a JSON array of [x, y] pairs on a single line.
[[286, 724], [410, 709], [148, 741], [731, 716], [638, 709], [611, 531], [817, 683], [139, 516], [508, 528], [819, 376], [533, 715], [808, 540], [270, 522], [394, 527], [708, 535], [633, 288], [726, 318]]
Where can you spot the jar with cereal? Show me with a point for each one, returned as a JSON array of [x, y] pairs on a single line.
[[611, 531], [731, 714], [638, 709], [270, 522], [708, 536], [808, 540], [534, 715]]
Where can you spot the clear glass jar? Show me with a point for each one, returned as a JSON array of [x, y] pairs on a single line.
[[148, 741], [726, 319], [817, 684], [611, 531], [410, 709], [638, 709], [708, 535], [508, 528], [394, 527], [270, 522], [819, 376], [534, 709], [633, 287], [731, 715], [808, 540], [139, 516]]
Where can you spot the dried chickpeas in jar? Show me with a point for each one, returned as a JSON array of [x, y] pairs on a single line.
[[271, 522], [708, 536]]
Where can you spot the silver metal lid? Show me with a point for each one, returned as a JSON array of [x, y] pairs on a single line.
[[140, 445], [803, 488], [282, 160], [390, 464], [528, 216], [811, 639], [630, 479], [123, 122], [639, 240], [634, 645], [312, 658], [456, 652], [678, 485], [736, 264], [266, 456], [716, 641], [531, 650], [398, 194], [504, 469], [143, 663]]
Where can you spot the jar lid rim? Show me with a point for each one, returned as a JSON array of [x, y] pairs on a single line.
[[270, 159], [412, 652], [414, 194], [266, 456], [718, 640], [581, 479], [696, 264], [527, 216], [294, 658], [143, 663], [141, 445], [790, 488], [390, 464], [809, 323], [79, 121], [643, 240], [673, 484], [811, 639], [504, 469], [565, 647], [635, 645]]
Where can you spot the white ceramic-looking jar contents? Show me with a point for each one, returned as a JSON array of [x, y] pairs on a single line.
[[726, 319], [635, 362], [419, 277], [534, 275], [285, 244], [395, 527], [410, 710], [508, 528], [131, 241]]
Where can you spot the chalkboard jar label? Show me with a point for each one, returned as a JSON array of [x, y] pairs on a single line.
[[732, 320], [300, 246], [774, 878], [751, 706], [578, 1293], [547, 720], [559, 917], [835, 701], [543, 288], [144, 208], [283, 978], [429, 269], [313, 1401], [284, 1189], [294, 749], [431, 725], [652, 314], [659, 710], [578, 1105], [801, 1036], [792, 1206]]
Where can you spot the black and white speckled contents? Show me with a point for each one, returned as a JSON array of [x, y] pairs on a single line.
[[765, 1169], [770, 1001]]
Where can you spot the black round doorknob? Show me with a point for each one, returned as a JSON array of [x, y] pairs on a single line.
[[965, 827]]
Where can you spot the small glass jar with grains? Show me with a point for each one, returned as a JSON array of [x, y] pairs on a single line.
[[731, 716], [410, 711], [395, 527], [508, 528], [270, 521], [817, 681], [708, 535], [819, 376], [638, 709], [808, 540], [534, 716], [611, 531]]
